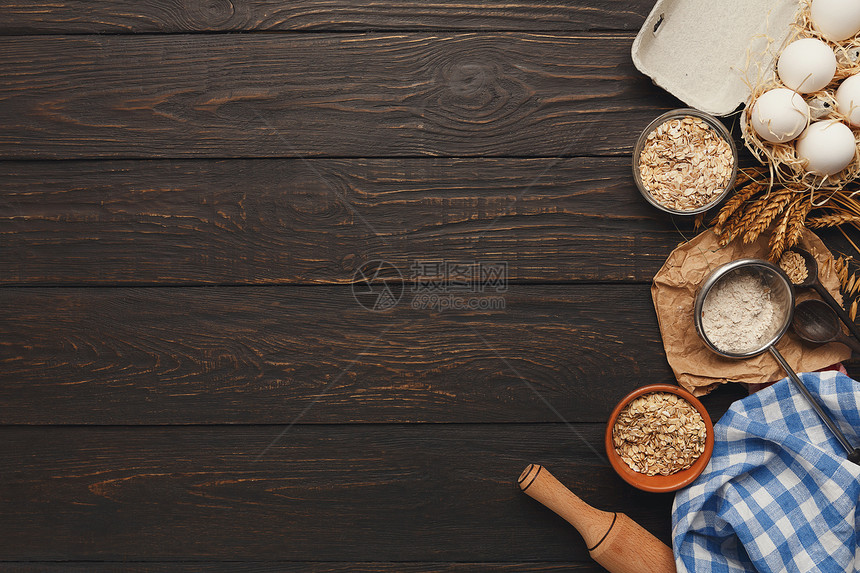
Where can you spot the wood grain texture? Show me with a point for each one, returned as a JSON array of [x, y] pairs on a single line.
[[298, 567], [127, 16], [349, 95], [272, 354], [317, 221], [323, 493]]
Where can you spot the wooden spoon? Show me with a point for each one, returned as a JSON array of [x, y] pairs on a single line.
[[814, 321], [812, 281]]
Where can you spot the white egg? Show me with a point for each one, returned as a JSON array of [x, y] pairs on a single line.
[[806, 65], [827, 147], [848, 99], [779, 115], [837, 20]]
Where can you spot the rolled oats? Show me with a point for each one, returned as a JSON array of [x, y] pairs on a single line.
[[794, 266], [685, 164], [659, 433]]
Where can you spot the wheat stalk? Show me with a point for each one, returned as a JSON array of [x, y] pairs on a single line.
[[745, 176], [833, 219], [852, 283], [777, 239], [738, 221], [741, 196], [760, 217], [853, 289], [786, 212], [797, 222], [849, 283], [755, 217], [840, 265]]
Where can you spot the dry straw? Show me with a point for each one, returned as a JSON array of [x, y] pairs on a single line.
[[781, 198], [785, 168]]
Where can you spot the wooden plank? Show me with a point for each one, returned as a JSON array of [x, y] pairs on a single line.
[[327, 493], [127, 16], [355, 95], [298, 567], [275, 354], [317, 221]]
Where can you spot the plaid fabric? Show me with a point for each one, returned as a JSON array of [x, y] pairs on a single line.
[[778, 493]]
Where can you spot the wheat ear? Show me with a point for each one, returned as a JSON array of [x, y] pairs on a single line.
[[832, 220], [777, 239], [840, 265], [797, 222], [760, 218], [739, 221], [741, 196]]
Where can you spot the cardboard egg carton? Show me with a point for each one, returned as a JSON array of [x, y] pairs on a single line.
[[709, 53]]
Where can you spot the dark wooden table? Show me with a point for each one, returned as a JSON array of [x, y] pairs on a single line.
[[187, 190]]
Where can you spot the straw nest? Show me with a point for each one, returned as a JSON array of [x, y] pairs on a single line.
[[785, 168]]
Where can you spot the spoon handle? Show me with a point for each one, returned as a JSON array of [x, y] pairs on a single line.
[[828, 298], [851, 343]]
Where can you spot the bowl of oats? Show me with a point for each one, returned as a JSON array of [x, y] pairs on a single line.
[[685, 162], [659, 438]]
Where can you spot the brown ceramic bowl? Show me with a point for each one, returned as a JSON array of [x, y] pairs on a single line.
[[658, 483]]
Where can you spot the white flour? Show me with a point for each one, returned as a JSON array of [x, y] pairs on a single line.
[[739, 314]]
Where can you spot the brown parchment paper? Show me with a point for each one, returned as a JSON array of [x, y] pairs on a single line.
[[696, 367]]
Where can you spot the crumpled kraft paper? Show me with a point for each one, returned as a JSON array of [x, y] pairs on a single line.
[[697, 368]]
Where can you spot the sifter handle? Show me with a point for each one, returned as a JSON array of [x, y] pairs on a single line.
[[853, 453]]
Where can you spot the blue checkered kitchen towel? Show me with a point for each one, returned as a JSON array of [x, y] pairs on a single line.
[[778, 493]]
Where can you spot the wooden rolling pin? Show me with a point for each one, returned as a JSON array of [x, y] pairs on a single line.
[[614, 540]]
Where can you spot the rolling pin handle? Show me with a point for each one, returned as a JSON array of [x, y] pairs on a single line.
[[614, 540]]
